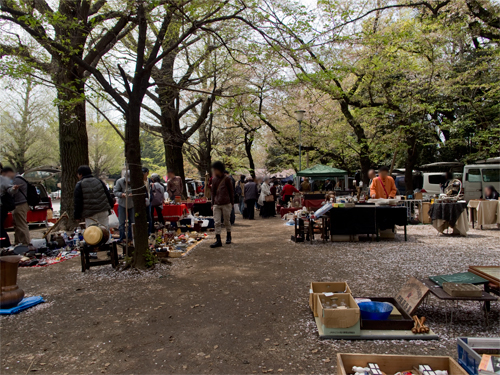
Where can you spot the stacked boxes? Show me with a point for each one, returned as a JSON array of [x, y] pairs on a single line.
[[344, 319], [321, 288]]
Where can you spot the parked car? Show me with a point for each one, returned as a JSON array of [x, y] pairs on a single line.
[[477, 177], [40, 213]]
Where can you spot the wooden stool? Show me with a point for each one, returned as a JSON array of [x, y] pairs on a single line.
[[87, 249]]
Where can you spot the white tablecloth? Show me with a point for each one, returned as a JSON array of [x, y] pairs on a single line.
[[486, 212], [461, 226]]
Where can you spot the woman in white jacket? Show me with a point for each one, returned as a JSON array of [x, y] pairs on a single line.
[[264, 192]]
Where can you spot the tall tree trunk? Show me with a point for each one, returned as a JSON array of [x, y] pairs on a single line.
[[248, 150], [174, 158], [205, 137], [133, 155], [73, 140], [411, 160], [364, 149]]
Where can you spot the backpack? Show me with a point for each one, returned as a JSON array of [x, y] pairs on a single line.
[[8, 203], [32, 195], [156, 196]]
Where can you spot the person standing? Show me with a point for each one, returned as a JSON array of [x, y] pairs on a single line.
[[125, 204], [383, 186], [93, 203], [7, 191], [222, 202], [174, 185], [305, 186], [20, 214], [265, 191], [328, 185], [251, 196], [233, 182], [371, 175], [157, 196], [147, 186], [240, 191], [287, 192]]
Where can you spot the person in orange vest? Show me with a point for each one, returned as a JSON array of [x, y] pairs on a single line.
[[383, 186]]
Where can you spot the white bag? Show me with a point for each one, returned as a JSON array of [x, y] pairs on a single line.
[[113, 221], [236, 208]]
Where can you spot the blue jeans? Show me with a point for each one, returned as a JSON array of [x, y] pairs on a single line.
[[242, 204], [122, 217]]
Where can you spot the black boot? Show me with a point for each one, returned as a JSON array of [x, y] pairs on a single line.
[[228, 238], [217, 243]]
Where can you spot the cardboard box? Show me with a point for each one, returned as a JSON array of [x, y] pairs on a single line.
[[391, 364], [418, 196], [325, 287], [423, 215], [338, 318]]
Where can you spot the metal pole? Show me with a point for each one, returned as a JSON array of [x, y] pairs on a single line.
[[300, 145]]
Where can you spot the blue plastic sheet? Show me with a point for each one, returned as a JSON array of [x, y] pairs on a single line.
[[26, 303]]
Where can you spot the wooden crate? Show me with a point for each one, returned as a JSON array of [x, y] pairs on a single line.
[[391, 364], [462, 290]]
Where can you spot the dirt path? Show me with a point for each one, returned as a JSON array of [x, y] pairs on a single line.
[[237, 309]]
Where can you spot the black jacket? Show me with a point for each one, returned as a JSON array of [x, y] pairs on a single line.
[[92, 201]]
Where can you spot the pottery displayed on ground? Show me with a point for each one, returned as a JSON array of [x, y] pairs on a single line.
[[10, 293]]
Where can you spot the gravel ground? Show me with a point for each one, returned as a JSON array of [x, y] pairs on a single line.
[[242, 308]]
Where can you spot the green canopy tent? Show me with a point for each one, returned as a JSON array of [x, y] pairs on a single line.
[[323, 172]]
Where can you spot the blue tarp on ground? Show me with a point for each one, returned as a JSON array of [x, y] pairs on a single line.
[[26, 303]]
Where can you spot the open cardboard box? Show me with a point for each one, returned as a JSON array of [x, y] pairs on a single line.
[[391, 364], [325, 287], [338, 317]]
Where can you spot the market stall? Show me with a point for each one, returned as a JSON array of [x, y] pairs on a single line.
[[170, 212], [485, 212], [450, 215], [322, 172]]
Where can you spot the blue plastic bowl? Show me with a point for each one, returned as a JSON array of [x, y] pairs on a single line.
[[375, 310]]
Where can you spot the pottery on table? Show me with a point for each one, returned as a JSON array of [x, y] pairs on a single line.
[[10, 293]]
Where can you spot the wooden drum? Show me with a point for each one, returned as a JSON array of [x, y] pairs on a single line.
[[96, 235]]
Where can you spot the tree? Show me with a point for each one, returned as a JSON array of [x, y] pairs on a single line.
[[156, 19], [83, 29], [27, 126]]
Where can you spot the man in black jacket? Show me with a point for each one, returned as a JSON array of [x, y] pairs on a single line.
[[222, 202], [93, 202]]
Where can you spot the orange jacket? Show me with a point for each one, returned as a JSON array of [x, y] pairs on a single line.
[[377, 188]]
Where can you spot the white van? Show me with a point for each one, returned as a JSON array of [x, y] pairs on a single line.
[[477, 176], [432, 182]]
